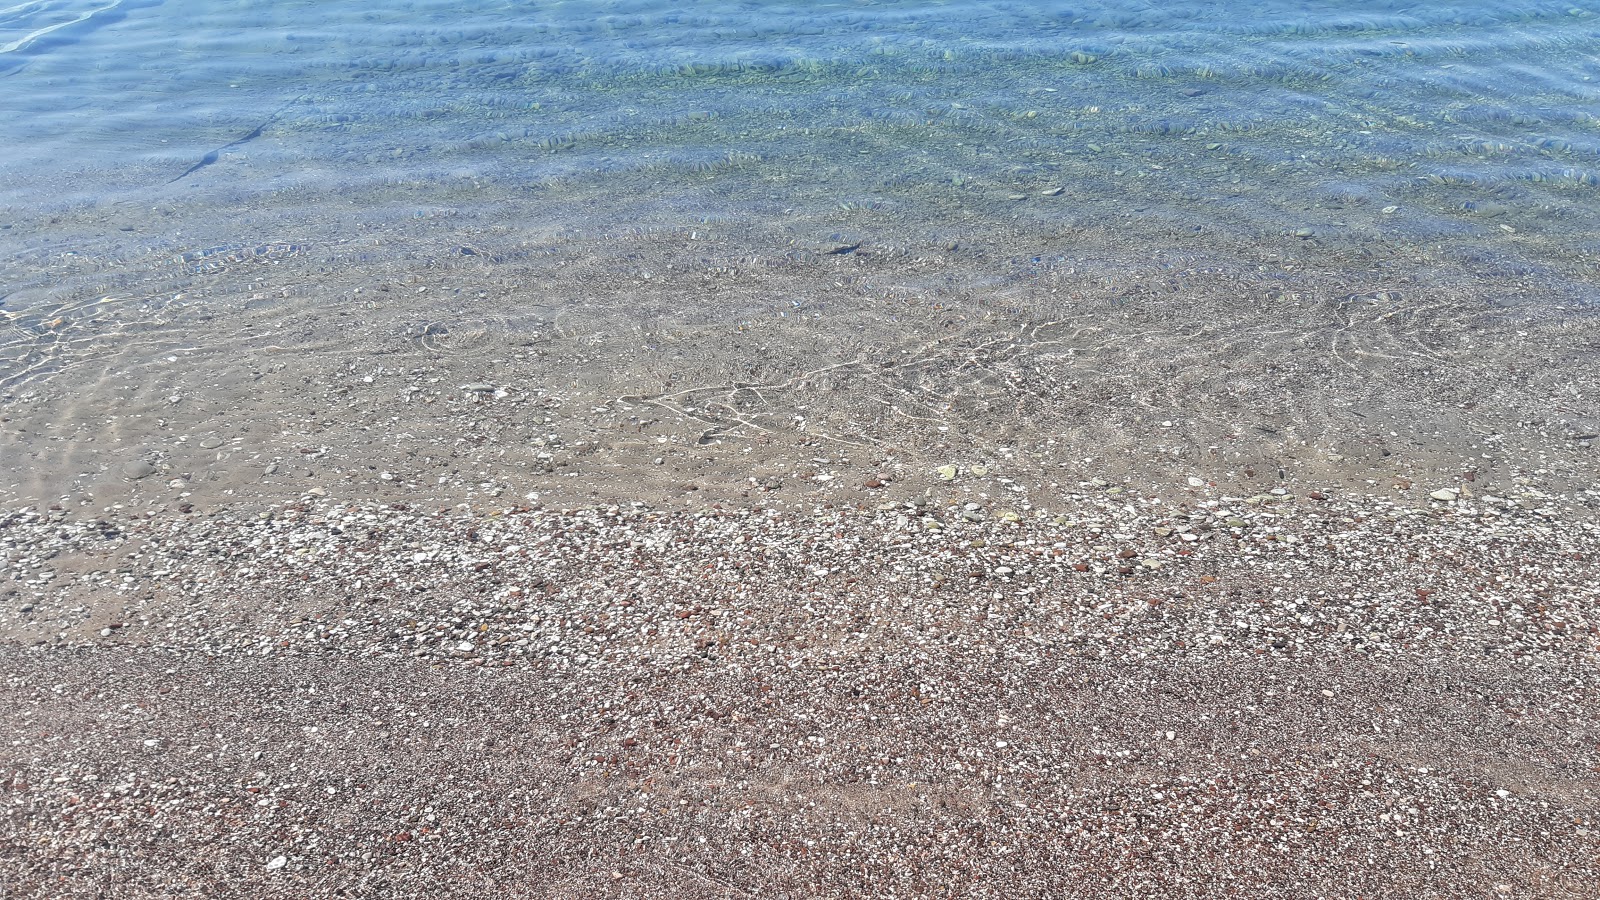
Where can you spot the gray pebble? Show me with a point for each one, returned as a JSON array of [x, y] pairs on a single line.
[[138, 469]]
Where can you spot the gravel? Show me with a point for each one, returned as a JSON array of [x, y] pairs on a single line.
[[1267, 696]]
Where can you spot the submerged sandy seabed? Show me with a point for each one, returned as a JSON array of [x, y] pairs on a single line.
[[905, 569], [673, 368]]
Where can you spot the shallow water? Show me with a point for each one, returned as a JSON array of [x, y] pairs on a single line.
[[628, 175]]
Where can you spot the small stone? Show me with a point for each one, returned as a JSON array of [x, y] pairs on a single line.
[[1051, 192], [277, 863], [980, 470], [1445, 495], [211, 443], [1236, 523], [478, 387], [1196, 482], [138, 469], [465, 647], [948, 473], [872, 483]]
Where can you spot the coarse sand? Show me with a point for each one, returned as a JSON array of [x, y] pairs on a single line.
[[1266, 696]]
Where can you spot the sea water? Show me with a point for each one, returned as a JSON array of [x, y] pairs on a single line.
[[169, 168]]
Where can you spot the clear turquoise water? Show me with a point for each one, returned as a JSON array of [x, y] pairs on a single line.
[[384, 135]]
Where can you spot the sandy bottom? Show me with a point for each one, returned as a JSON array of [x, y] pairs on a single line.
[[688, 373]]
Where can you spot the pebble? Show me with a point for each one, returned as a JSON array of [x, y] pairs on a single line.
[[653, 637], [948, 473], [139, 469], [1446, 495], [211, 443]]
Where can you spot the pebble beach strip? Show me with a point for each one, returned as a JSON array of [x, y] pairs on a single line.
[[1261, 697]]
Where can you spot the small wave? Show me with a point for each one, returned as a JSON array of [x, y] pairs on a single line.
[[62, 32], [23, 42]]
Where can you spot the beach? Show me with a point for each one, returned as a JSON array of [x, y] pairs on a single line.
[[1276, 695], [900, 449]]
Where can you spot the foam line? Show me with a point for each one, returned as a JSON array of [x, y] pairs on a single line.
[[23, 42]]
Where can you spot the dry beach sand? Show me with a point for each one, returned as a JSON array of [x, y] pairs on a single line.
[[1286, 697]]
